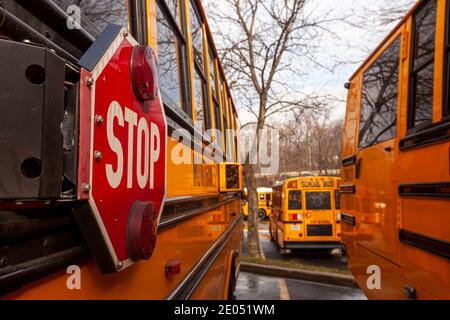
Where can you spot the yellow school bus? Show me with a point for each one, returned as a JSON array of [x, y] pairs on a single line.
[[306, 214], [264, 202], [395, 189], [50, 247]]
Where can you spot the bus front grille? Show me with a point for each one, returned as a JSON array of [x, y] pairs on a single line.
[[320, 230]]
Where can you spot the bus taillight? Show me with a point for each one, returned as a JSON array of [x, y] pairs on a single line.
[[296, 217], [144, 73]]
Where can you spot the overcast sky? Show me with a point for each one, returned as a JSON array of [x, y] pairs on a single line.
[[353, 44]]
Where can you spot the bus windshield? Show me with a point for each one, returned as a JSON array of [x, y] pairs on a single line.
[[295, 200], [318, 201]]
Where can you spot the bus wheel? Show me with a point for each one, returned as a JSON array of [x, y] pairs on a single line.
[[285, 252], [324, 252], [232, 285], [272, 238], [262, 215]]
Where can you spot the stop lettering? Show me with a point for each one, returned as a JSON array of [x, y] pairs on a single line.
[[147, 151]]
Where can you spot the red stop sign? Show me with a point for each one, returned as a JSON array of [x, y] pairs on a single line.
[[126, 159]]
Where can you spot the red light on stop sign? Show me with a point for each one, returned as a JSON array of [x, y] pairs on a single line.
[[141, 231], [144, 73]]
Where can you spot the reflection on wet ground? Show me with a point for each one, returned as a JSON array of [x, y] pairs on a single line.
[[255, 287], [305, 257]]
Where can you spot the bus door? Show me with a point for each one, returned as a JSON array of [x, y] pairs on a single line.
[[319, 214], [375, 186]]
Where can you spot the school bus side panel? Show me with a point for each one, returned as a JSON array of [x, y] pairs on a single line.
[[426, 216]]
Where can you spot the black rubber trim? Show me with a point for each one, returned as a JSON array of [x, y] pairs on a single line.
[[437, 247], [348, 218], [187, 286], [17, 29], [435, 134], [173, 220], [15, 277], [427, 190], [95, 53], [313, 245], [349, 161]]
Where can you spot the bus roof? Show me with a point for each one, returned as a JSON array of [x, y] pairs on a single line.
[[265, 190], [386, 39], [310, 178]]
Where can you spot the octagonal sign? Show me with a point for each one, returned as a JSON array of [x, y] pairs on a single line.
[[122, 162]]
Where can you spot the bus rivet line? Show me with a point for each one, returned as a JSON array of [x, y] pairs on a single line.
[[86, 187], [98, 155], [99, 119], [89, 81]]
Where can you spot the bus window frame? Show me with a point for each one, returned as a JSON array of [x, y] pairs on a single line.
[[446, 81], [200, 67], [411, 126], [231, 129], [137, 20], [302, 193], [182, 52], [214, 90], [398, 37]]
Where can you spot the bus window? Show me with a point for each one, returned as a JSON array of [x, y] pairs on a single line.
[[203, 117], [422, 73], [337, 198], [295, 200], [231, 150], [268, 197], [261, 196], [277, 198], [212, 73], [379, 100], [170, 69], [200, 105], [174, 8], [318, 201]]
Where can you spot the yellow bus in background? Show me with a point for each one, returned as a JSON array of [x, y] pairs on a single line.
[[306, 214], [264, 203]]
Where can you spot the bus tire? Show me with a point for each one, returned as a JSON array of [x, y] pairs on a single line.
[[272, 238], [232, 284]]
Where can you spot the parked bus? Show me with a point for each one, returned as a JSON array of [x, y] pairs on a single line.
[[396, 181], [306, 214], [94, 201], [264, 203]]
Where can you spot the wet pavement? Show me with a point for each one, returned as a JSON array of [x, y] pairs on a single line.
[[255, 287], [305, 257]]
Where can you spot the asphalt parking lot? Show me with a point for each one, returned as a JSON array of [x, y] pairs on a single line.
[[256, 287], [252, 286], [308, 257]]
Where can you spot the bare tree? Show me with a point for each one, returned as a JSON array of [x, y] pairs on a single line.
[[263, 46], [311, 142]]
